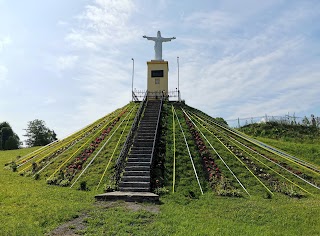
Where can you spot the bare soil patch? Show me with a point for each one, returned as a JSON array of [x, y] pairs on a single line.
[[76, 226]]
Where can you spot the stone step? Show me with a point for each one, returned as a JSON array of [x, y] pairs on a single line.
[[143, 139], [140, 142], [134, 184], [145, 136], [150, 117], [137, 168], [144, 133], [131, 178], [149, 121], [143, 130], [133, 189], [138, 164], [147, 126], [129, 196], [138, 155], [141, 150], [136, 173], [143, 144], [139, 159]]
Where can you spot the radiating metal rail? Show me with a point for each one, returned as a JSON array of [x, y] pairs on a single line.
[[306, 181], [114, 150], [263, 185], [185, 140], [304, 164], [83, 145], [216, 152]]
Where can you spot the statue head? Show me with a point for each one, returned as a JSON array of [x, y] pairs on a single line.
[[159, 34]]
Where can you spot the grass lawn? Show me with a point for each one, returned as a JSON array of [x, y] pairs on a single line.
[[30, 207], [306, 151]]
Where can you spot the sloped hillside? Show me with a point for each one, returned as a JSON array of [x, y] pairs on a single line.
[[84, 159], [195, 154]]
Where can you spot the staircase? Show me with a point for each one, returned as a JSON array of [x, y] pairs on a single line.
[[136, 177]]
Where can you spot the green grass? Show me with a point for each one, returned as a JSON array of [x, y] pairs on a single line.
[[30, 207], [306, 151]]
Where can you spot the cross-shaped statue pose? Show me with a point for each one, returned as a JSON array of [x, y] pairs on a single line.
[[158, 44]]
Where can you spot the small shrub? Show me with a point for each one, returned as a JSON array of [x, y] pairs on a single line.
[[37, 176], [268, 195], [34, 167], [64, 183], [83, 186], [110, 187], [291, 192], [161, 191], [13, 166], [52, 180]]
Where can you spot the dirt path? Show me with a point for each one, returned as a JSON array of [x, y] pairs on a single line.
[[77, 226]]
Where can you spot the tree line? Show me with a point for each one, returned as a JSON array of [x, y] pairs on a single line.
[[37, 133]]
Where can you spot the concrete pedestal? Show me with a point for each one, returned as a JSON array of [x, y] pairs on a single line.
[[157, 83]]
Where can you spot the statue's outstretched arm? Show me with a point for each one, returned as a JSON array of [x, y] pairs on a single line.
[[149, 38], [167, 39]]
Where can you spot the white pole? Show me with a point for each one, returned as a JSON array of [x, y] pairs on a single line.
[[178, 79], [132, 78]]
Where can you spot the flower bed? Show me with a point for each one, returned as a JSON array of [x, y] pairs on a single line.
[[217, 180], [65, 176], [47, 158], [211, 169], [271, 180]]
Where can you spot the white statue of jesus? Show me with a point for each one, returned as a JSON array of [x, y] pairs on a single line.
[[158, 44]]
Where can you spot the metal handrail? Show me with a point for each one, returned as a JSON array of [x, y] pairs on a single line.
[[156, 133], [126, 146]]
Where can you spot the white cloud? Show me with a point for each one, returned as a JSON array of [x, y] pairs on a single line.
[[211, 21], [252, 72], [103, 24], [49, 101], [66, 62], [4, 42], [99, 35], [62, 23], [3, 73]]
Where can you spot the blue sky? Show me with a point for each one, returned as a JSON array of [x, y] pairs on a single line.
[[69, 62]]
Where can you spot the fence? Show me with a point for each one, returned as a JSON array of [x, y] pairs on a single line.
[[287, 119], [172, 95]]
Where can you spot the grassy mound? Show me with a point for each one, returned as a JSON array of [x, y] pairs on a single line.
[[29, 207], [276, 130]]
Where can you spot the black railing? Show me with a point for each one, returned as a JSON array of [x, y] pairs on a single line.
[[120, 164], [157, 94]]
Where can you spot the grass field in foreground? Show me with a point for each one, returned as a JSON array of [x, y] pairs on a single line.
[[29, 207]]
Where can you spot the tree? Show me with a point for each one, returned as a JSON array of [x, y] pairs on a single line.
[[313, 121], [221, 121], [8, 139], [305, 121], [38, 134]]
